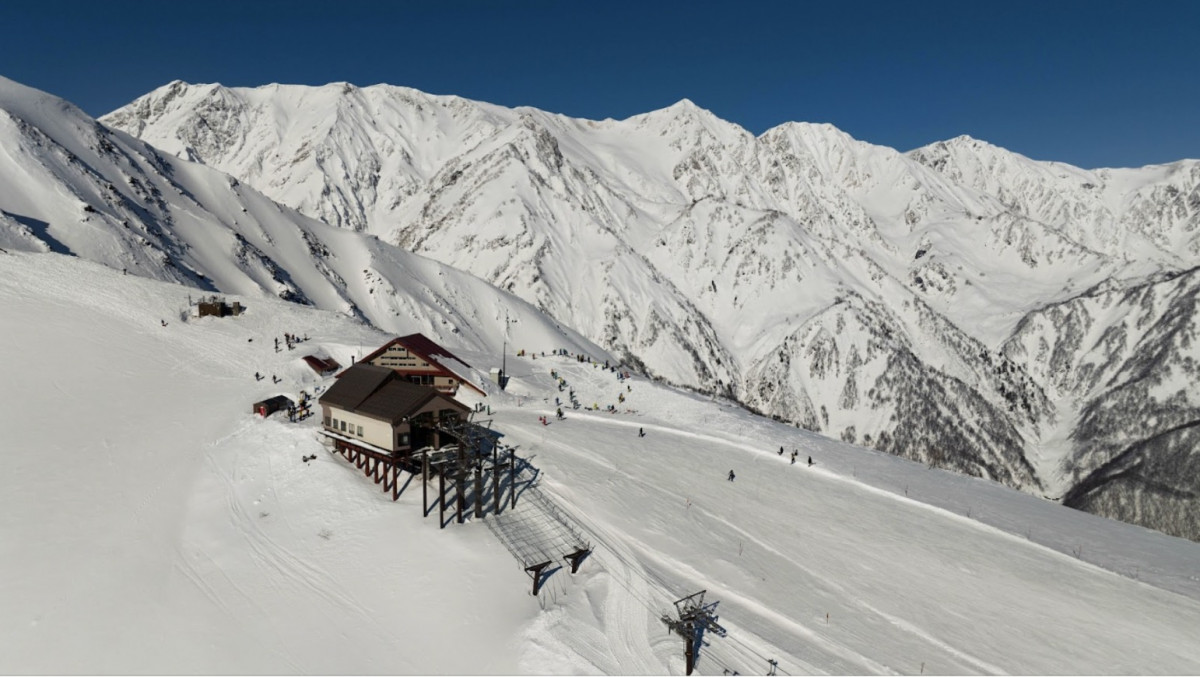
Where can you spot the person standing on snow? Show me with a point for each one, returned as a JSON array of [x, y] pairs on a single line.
[[731, 475]]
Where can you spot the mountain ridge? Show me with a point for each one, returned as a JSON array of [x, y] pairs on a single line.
[[609, 226]]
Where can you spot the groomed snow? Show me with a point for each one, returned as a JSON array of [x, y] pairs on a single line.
[[150, 523]]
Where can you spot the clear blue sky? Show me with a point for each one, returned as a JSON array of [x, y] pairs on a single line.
[[1089, 83]]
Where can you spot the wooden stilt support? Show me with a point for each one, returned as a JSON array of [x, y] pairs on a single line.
[[478, 493], [512, 475], [442, 499], [425, 482], [395, 483], [576, 557], [496, 489], [460, 479], [496, 477], [536, 572]]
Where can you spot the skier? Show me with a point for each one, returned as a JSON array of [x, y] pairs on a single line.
[[810, 461], [731, 475], [781, 451], [641, 432]]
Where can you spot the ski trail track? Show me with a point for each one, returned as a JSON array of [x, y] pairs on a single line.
[[624, 613], [646, 574], [756, 615]]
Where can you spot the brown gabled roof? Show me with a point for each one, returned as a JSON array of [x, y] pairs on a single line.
[[397, 399], [355, 385], [380, 393], [426, 349], [419, 344]]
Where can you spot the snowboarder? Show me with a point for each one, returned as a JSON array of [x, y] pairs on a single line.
[[793, 460], [731, 475], [641, 432], [781, 451], [164, 322], [810, 461]]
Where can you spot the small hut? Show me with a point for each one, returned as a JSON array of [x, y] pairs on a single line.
[[271, 405], [216, 307]]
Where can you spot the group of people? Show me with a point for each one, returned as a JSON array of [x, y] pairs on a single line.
[[291, 340], [795, 453]]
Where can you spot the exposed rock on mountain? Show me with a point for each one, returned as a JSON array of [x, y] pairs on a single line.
[[924, 303]]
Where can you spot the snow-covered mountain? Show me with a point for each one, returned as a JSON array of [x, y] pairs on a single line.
[[868, 294], [148, 516], [71, 185]]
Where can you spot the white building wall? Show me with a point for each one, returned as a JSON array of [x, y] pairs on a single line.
[[374, 431]]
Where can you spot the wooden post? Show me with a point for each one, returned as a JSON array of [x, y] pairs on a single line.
[[478, 492], [425, 482], [395, 483], [442, 499], [536, 572], [576, 557], [512, 475], [460, 478], [496, 489], [496, 477]]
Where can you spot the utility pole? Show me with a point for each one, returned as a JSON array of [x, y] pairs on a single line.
[[694, 618], [504, 353]]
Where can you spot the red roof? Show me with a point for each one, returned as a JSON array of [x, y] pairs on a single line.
[[322, 365]]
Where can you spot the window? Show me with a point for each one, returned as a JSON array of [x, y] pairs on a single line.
[[401, 439], [343, 426], [326, 420], [360, 431]]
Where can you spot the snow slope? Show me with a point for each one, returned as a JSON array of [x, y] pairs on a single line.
[[849, 288], [152, 523], [73, 186]]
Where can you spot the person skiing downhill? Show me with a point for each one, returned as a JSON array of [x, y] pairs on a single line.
[[731, 475]]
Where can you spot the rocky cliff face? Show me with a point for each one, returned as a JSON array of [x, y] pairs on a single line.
[[953, 304]]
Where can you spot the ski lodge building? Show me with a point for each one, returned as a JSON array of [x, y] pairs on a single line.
[[378, 411], [419, 360]]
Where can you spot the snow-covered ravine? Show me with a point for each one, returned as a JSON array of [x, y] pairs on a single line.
[[150, 523]]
